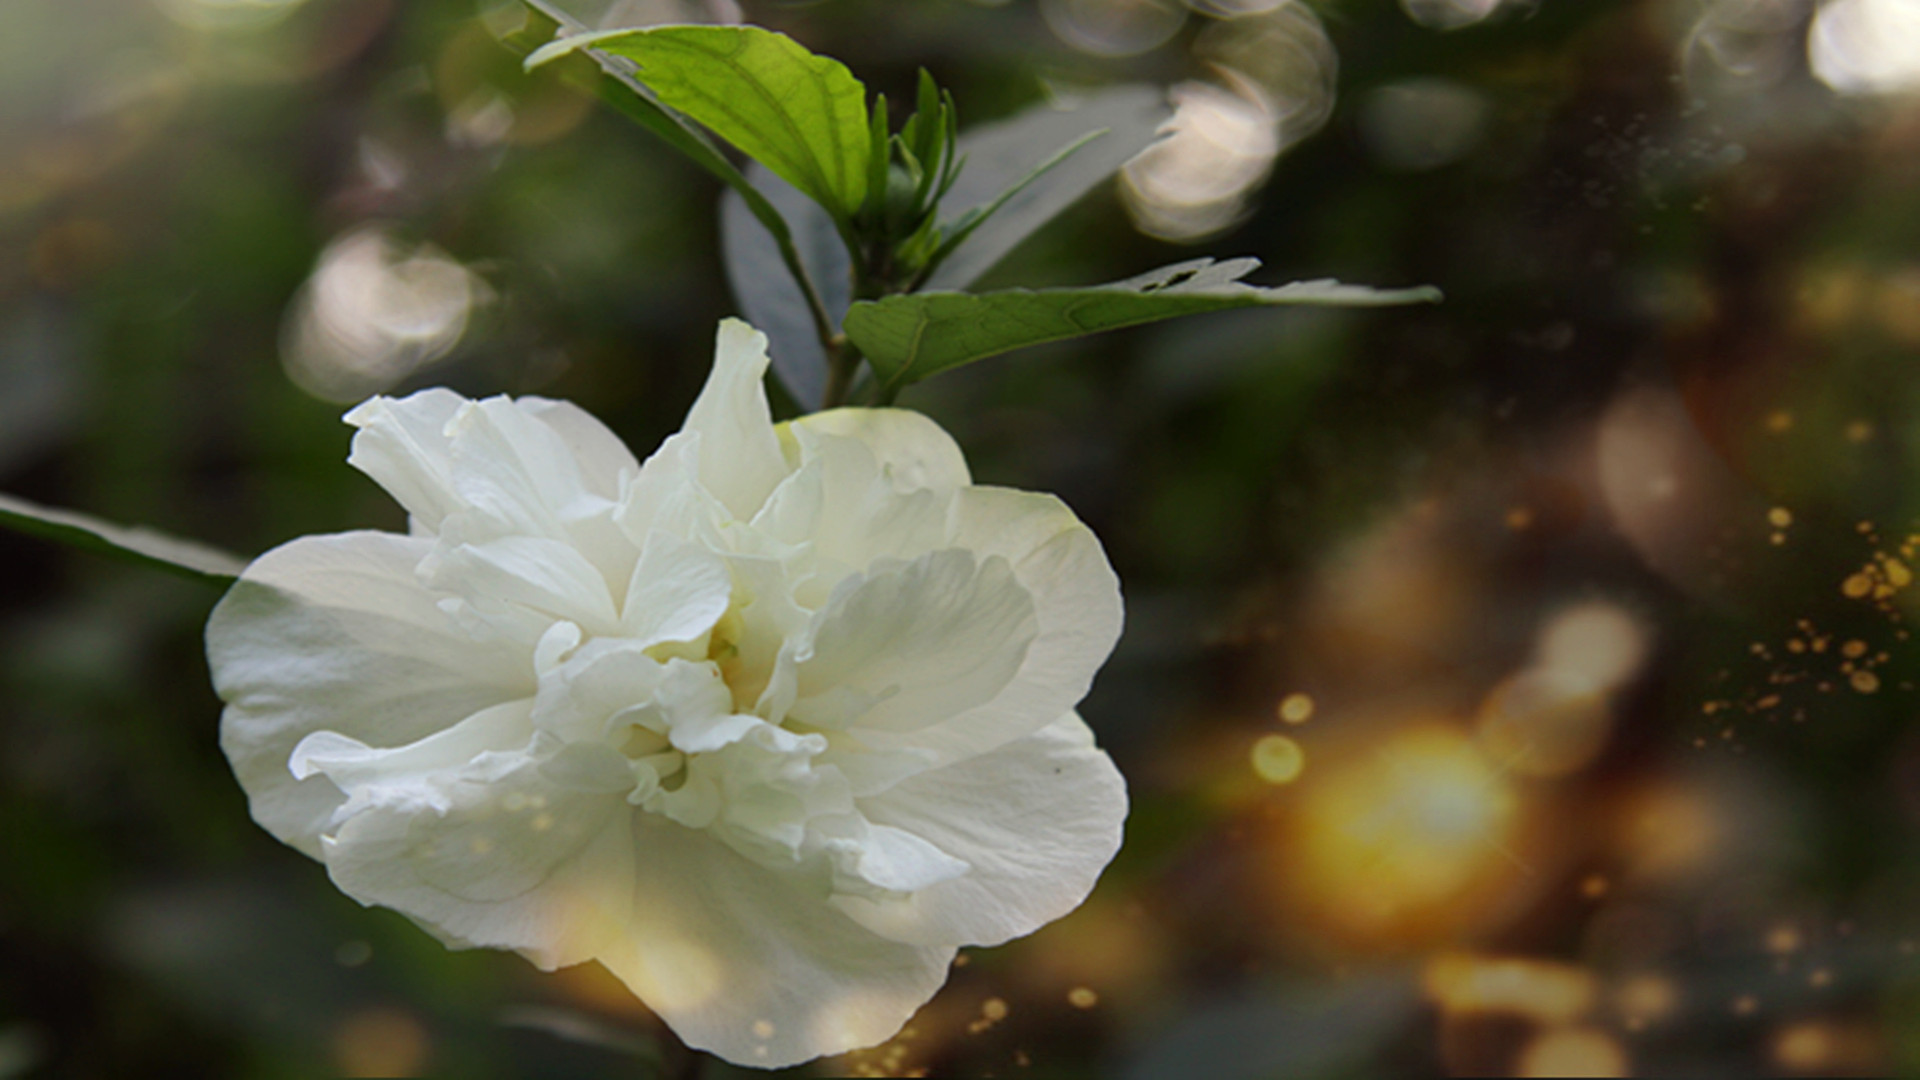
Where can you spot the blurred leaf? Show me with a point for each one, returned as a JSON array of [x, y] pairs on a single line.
[[774, 303], [910, 337], [138, 543], [802, 115], [575, 1026], [999, 155], [1301, 1031]]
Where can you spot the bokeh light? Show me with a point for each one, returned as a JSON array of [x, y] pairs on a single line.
[[1194, 182], [1273, 85], [1867, 46], [1574, 1051], [1391, 840], [1451, 14], [1114, 27], [374, 312]]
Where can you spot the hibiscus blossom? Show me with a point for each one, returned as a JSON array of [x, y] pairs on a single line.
[[768, 725]]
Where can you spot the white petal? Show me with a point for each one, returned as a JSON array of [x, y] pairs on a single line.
[[334, 633], [514, 470], [913, 451], [601, 454], [679, 590], [363, 772], [883, 859], [601, 680], [550, 577], [589, 766], [402, 445], [1076, 600], [1037, 819], [752, 964], [914, 644], [844, 504], [514, 862], [767, 620], [740, 459], [703, 734]]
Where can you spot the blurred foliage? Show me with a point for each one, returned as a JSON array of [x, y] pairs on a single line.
[[1595, 580]]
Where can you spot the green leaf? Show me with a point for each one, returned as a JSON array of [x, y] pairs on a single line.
[[803, 116], [999, 155], [970, 222], [616, 84], [877, 162], [910, 337], [139, 544]]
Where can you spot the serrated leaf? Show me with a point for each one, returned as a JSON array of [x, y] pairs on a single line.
[[999, 155], [772, 301], [802, 115], [912, 336], [137, 543]]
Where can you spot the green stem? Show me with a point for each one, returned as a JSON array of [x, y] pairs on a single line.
[[822, 322], [843, 361]]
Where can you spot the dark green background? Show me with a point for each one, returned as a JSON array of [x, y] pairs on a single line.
[[1625, 221]]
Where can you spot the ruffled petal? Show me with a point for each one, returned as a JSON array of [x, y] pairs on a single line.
[[740, 459], [545, 576], [515, 472], [602, 456], [913, 451], [495, 855], [679, 590], [334, 633], [402, 445], [750, 963], [366, 774], [1036, 819], [915, 643], [1076, 600], [500, 467], [847, 506]]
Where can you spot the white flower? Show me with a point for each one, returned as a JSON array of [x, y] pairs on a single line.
[[768, 725]]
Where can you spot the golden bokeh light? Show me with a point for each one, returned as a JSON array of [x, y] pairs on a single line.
[[1391, 839], [1296, 709], [1278, 759], [1538, 990], [1597, 640], [1823, 1047], [1645, 999], [1670, 831], [1544, 722], [1571, 1052], [380, 1042]]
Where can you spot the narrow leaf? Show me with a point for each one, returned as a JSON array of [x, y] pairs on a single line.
[[971, 221], [876, 203], [998, 155], [803, 116], [912, 336], [772, 301], [137, 543]]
